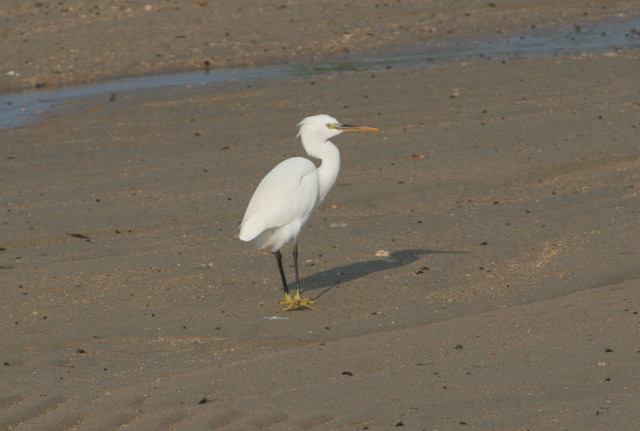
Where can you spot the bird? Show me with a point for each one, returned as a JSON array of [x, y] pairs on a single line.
[[288, 195]]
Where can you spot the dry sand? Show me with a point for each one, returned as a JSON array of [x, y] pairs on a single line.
[[506, 194]]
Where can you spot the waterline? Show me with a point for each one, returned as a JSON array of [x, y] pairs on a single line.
[[20, 109]]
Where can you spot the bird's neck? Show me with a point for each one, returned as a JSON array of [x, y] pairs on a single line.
[[329, 168]]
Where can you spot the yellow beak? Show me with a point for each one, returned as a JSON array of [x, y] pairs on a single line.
[[350, 128]]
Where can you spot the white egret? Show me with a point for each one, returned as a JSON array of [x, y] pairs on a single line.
[[285, 198]]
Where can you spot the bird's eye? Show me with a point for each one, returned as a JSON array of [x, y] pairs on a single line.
[[331, 125]]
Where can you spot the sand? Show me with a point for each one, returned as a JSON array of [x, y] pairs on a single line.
[[475, 266]]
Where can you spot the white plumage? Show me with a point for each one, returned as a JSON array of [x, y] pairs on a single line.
[[287, 196], [282, 203]]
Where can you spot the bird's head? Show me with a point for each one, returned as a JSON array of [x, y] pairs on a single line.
[[324, 127]]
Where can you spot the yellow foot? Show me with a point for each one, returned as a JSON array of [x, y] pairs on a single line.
[[296, 303]]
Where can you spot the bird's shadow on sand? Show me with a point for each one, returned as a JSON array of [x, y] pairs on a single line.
[[330, 278]]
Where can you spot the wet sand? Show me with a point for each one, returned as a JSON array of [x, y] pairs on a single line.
[[505, 194]]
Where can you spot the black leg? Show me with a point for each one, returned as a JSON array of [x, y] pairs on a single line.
[[284, 279], [295, 263]]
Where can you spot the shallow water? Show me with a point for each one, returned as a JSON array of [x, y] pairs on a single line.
[[622, 34]]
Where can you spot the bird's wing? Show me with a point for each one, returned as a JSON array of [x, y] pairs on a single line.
[[287, 194]]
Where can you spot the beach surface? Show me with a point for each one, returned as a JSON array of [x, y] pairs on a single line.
[[476, 265]]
